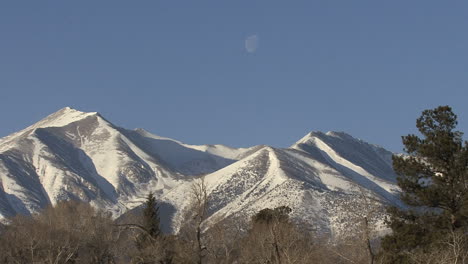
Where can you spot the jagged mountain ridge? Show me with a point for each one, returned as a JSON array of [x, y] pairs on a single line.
[[76, 155]]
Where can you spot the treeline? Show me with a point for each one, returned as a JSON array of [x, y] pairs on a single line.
[[74, 232]]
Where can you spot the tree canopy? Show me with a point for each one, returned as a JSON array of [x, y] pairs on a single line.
[[433, 178]]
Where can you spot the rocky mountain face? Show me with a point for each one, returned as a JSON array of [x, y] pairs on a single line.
[[324, 177]]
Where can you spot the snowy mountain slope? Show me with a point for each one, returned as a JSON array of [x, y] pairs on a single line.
[[315, 180], [184, 158], [60, 118], [76, 155], [72, 155], [373, 159]]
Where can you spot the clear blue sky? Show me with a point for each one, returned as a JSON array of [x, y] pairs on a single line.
[[180, 68]]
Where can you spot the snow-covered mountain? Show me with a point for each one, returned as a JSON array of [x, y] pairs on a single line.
[[323, 178], [76, 155]]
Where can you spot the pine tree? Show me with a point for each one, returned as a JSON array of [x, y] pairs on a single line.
[[433, 178], [150, 224], [151, 219]]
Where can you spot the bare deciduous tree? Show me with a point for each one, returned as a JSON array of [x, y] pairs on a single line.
[[452, 249], [360, 215], [69, 232], [199, 205]]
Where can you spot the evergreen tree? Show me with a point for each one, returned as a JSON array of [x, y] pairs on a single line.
[[151, 220], [433, 178], [149, 224]]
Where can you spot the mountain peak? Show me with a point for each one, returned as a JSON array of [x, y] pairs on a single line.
[[69, 110], [63, 117], [320, 134], [66, 108], [337, 134], [60, 118]]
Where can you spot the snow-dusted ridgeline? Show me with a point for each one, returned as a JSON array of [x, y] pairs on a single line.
[[317, 182], [76, 155]]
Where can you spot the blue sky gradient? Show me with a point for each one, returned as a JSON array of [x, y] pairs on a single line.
[[180, 68]]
